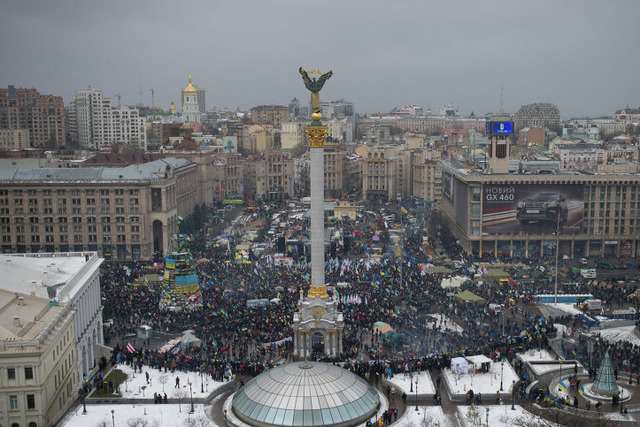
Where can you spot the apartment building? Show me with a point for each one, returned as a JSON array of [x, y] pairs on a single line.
[[94, 124], [41, 115]]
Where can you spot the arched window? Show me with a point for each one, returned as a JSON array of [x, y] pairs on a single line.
[[33, 424]]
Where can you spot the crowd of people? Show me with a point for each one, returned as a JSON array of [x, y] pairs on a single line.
[[401, 292]]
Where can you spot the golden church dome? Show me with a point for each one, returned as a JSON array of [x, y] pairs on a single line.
[[172, 108], [190, 89]]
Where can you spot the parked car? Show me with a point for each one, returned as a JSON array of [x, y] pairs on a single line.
[[551, 207]]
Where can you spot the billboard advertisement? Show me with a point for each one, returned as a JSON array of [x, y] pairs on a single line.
[[447, 185], [532, 208]]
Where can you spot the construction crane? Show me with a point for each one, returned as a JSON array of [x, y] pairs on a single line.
[[153, 99]]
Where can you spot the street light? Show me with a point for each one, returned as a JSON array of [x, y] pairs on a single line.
[[201, 381], [411, 382], [191, 393], [113, 420], [513, 392], [416, 393], [487, 417], [501, 375]]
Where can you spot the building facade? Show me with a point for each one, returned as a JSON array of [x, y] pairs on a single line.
[[41, 115], [273, 115], [14, 139], [95, 125], [528, 215], [122, 213], [539, 114], [52, 318]]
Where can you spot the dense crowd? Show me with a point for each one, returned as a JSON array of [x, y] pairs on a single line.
[[401, 292]]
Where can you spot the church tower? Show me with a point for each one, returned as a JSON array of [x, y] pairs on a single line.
[[190, 108], [317, 325]]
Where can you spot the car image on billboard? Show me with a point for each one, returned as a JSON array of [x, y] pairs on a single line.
[[550, 207], [532, 208]]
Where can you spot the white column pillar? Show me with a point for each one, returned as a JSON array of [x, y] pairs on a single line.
[[317, 216]]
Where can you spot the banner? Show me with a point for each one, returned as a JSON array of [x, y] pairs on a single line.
[[532, 208]]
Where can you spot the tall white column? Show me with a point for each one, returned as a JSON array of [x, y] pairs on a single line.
[[317, 216]]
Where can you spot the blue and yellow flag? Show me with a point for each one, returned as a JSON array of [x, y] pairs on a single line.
[[581, 391], [403, 208], [180, 218], [562, 386]]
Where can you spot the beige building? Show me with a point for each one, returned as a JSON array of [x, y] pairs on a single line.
[[334, 171], [292, 135], [274, 115], [427, 180], [122, 213], [387, 172], [273, 175], [14, 139], [41, 115], [51, 317]]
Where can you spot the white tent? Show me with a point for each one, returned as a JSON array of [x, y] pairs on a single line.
[[453, 282], [459, 365], [477, 361]]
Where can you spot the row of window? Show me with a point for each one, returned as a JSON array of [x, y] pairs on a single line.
[[63, 192], [76, 238], [4, 201], [64, 220], [64, 211]]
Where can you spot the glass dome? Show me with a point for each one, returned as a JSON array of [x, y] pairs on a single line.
[[306, 394]]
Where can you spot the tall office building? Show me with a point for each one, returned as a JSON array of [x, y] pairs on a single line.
[[41, 115]]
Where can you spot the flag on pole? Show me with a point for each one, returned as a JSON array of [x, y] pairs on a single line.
[[180, 218], [403, 208], [562, 386], [130, 348]]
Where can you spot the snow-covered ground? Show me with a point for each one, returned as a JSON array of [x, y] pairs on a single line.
[[614, 335], [568, 308], [425, 386], [426, 416], [133, 387], [499, 415], [444, 323], [534, 355], [133, 415], [487, 384]]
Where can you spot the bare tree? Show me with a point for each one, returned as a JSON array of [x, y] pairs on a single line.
[[197, 421], [179, 394], [163, 380], [473, 415]]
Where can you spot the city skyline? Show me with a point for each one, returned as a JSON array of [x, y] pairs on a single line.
[[384, 55]]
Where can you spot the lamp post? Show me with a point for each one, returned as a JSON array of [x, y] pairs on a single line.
[[416, 393], [487, 417], [501, 375], [201, 381], [113, 420], [513, 392], [191, 394], [411, 382]]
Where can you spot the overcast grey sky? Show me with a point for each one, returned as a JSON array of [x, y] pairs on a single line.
[[581, 55]]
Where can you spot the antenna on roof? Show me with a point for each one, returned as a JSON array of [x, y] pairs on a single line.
[[501, 100]]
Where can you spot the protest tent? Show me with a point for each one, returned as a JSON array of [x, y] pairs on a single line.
[[469, 296], [459, 365], [453, 282]]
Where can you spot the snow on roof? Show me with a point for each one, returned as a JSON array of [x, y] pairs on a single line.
[[138, 172], [32, 274]]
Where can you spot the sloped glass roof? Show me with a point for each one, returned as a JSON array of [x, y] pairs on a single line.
[[306, 394]]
